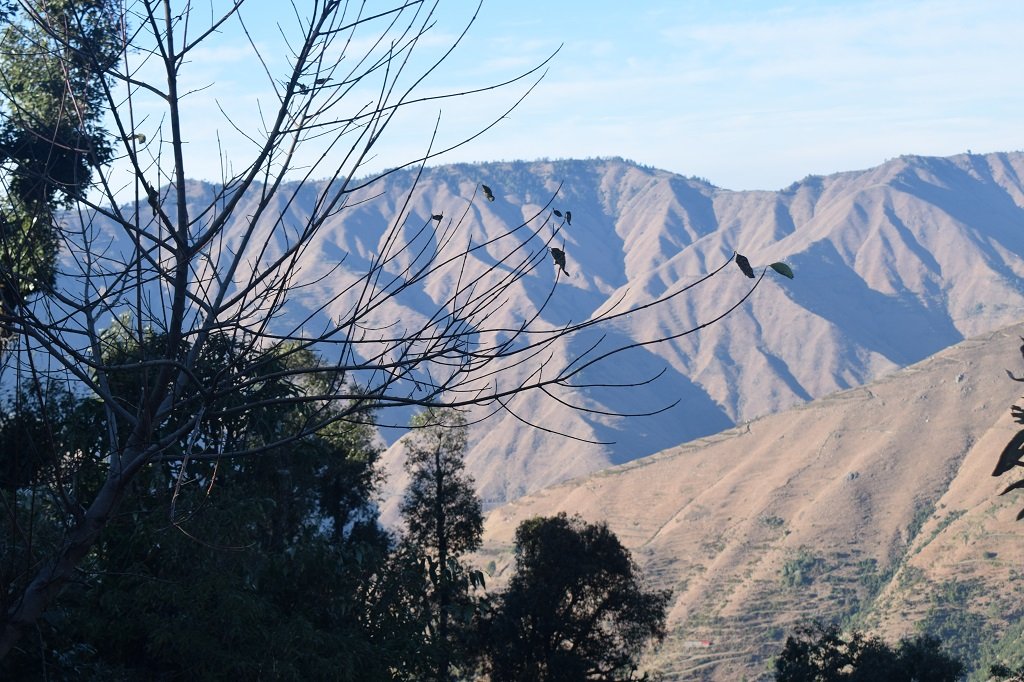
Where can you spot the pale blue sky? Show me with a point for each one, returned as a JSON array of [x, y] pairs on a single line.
[[748, 94]]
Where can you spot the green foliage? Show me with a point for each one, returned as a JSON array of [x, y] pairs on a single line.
[[236, 389], [574, 608], [35, 425], [922, 512], [783, 269], [443, 520], [244, 568], [51, 136], [48, 437], [771, 521], [802, 568], [440, 508], [1004, 653], [950, 619], [261, 566], [869, 576], [819, 653]]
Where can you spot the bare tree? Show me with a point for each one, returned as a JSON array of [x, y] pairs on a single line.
[[146, 256]]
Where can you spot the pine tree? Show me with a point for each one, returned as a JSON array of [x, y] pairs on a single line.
[[443, 521]]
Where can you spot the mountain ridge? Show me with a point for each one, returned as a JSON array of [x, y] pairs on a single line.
[[864, 506], [893, 264]]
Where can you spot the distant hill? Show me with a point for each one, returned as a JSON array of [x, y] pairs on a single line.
[[873, 506]]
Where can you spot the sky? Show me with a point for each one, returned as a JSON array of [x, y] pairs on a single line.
[[746, 94]]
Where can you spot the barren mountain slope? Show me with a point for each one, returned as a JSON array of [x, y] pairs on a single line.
[[813, 511], [893, 264]]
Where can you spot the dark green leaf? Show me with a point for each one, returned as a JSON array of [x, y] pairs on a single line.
[[782, 269], [1011, 454], [744, 265], [1013, 486]]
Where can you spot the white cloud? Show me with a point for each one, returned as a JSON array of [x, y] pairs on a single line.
[[750, 94]]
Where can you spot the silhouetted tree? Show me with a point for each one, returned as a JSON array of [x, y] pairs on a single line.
[[443, 521], [819, 653], [574, 609], [256, 566]]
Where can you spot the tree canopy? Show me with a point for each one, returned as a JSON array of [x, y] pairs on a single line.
[[211, 568], [575, 607], [51, 136], [820, 653]]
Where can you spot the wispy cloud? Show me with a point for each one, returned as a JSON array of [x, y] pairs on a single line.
[[749, 94]]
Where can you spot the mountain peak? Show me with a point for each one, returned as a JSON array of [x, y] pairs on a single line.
[[893, 264]]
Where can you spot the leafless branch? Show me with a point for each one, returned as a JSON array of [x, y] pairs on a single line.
[[156, 271]]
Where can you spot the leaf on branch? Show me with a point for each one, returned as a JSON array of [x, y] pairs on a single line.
[[559, 256], [782, 269], [558, 214], [488, 194], [1013, 486], [744, 265], [568, 217], [437, 216], [1010, 374], [1020, 515], [1011, 455]]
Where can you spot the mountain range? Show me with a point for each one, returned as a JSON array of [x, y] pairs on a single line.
[[892, 263], [831, 452]]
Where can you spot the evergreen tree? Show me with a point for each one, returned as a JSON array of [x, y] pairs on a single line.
[[574, 609], [443, 520], [213, 567], [51, 137]]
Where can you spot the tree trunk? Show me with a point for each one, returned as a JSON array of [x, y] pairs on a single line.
[[55, 574], [444, 664]]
